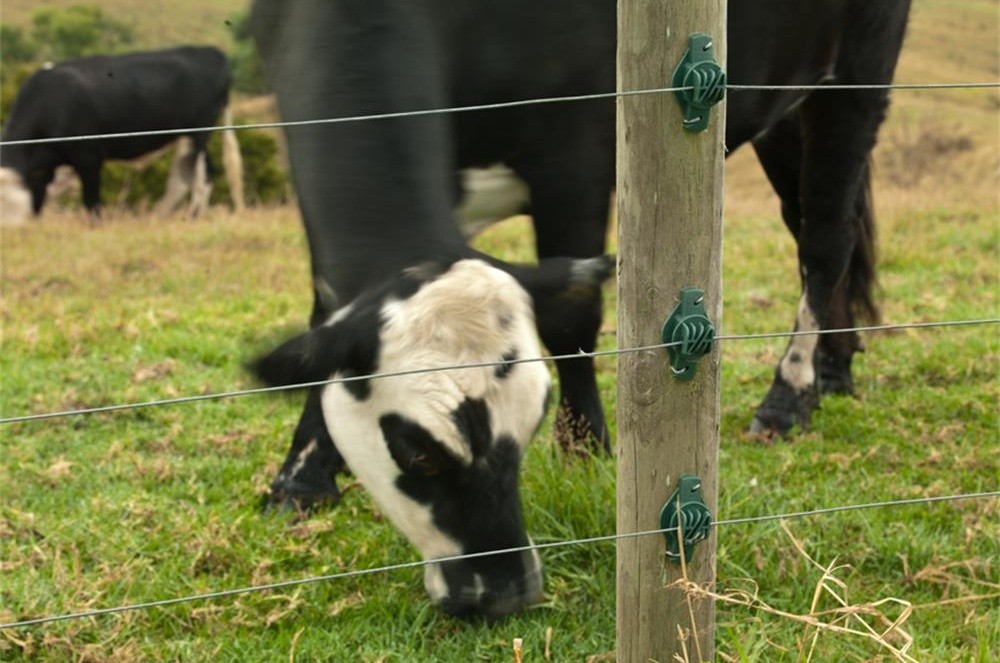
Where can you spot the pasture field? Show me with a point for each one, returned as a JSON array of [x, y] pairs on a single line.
[[147, 504], [156, 23]]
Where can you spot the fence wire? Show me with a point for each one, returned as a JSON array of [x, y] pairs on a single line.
[[487, 364], [538, 546], [492, 106]]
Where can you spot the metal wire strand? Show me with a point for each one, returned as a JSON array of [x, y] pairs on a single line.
[[503, 362], [494, 106], [540, 546]]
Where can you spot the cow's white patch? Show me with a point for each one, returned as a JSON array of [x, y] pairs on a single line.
[[15, 199], [797, 364], [471, 314], [491, 195]]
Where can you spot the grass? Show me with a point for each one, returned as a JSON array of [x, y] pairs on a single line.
[[155, 503], [156, 23]]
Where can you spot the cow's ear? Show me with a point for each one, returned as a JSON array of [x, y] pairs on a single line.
[[416, 452], [309, 357]]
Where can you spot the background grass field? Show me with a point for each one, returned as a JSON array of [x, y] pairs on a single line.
[[112, 509]]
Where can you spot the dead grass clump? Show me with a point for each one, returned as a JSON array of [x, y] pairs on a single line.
[[911, 155], [880, 622]]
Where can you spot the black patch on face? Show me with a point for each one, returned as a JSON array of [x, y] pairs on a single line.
[[795, 358], [472, 419], [503, 370], [417, 453], [477, 504]]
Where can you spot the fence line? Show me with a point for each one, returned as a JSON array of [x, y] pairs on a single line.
[[485, 364], [538, 546], [492, 106]]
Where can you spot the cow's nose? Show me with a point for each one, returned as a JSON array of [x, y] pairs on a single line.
[[491, 591]]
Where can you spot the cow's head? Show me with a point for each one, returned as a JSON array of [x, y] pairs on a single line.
[[15, 199], [438, 451]]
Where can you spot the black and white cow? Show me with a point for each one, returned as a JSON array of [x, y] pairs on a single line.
[[347, 57], [377, 196], [439, 451], [179, 88]]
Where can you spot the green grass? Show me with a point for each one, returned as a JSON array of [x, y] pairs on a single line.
[[156, 23], [149, 504]]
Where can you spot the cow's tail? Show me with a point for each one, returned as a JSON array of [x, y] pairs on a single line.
[[232, 161]]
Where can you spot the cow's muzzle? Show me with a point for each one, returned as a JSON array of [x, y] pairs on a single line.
[[486, 587]]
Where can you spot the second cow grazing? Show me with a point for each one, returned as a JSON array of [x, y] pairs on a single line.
[[180, 88]]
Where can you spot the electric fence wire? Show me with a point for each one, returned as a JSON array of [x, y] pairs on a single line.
[[489, 364], [492, 106], [538, 546]]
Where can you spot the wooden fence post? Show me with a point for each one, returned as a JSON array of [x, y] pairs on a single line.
[[670, 193]]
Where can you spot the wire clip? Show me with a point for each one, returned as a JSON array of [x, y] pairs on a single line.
[[686, 510], [688, 333], [698, 70]]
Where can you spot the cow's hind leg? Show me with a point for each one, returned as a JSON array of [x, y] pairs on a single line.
[[202, 178], [180, 178], [306, 479], [834, 235], [780, 154], [570, 185]]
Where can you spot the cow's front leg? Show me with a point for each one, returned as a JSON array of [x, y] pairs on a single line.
[[89, 172], [306, 479]]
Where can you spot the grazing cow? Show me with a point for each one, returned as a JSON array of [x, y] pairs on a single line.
[[179, 88], [377, 196], [438, 451], [343, 57]]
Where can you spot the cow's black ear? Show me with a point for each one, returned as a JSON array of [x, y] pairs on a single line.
[[416, 452], [309, 357]]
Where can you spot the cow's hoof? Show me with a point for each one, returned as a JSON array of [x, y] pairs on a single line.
[[772, 424]]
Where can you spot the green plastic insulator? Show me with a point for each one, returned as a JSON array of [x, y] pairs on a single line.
[[690, 329], [695, 519], [699, 70]]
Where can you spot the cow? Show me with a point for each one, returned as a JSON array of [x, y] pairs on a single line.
[[438, 451], [179, 88], [377, 196], [342, 58]]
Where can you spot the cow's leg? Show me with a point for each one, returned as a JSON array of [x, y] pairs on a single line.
[[179, 180], [232, 163], [306, 479], [201, 186], [838, 133], [780, 154], [570, 183], [88, 169]]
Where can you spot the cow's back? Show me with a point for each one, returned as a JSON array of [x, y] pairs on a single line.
[[123, 93]]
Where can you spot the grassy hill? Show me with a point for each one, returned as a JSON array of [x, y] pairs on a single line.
[[157, 23]]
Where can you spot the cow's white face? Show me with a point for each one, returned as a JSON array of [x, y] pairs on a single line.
[[15, 199], [440, 451]]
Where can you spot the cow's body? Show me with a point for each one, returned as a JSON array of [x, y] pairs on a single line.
[[364, 187], [180, 88]]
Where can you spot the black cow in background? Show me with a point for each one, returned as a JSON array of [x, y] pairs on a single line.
[[330, 58], [179, 88]]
